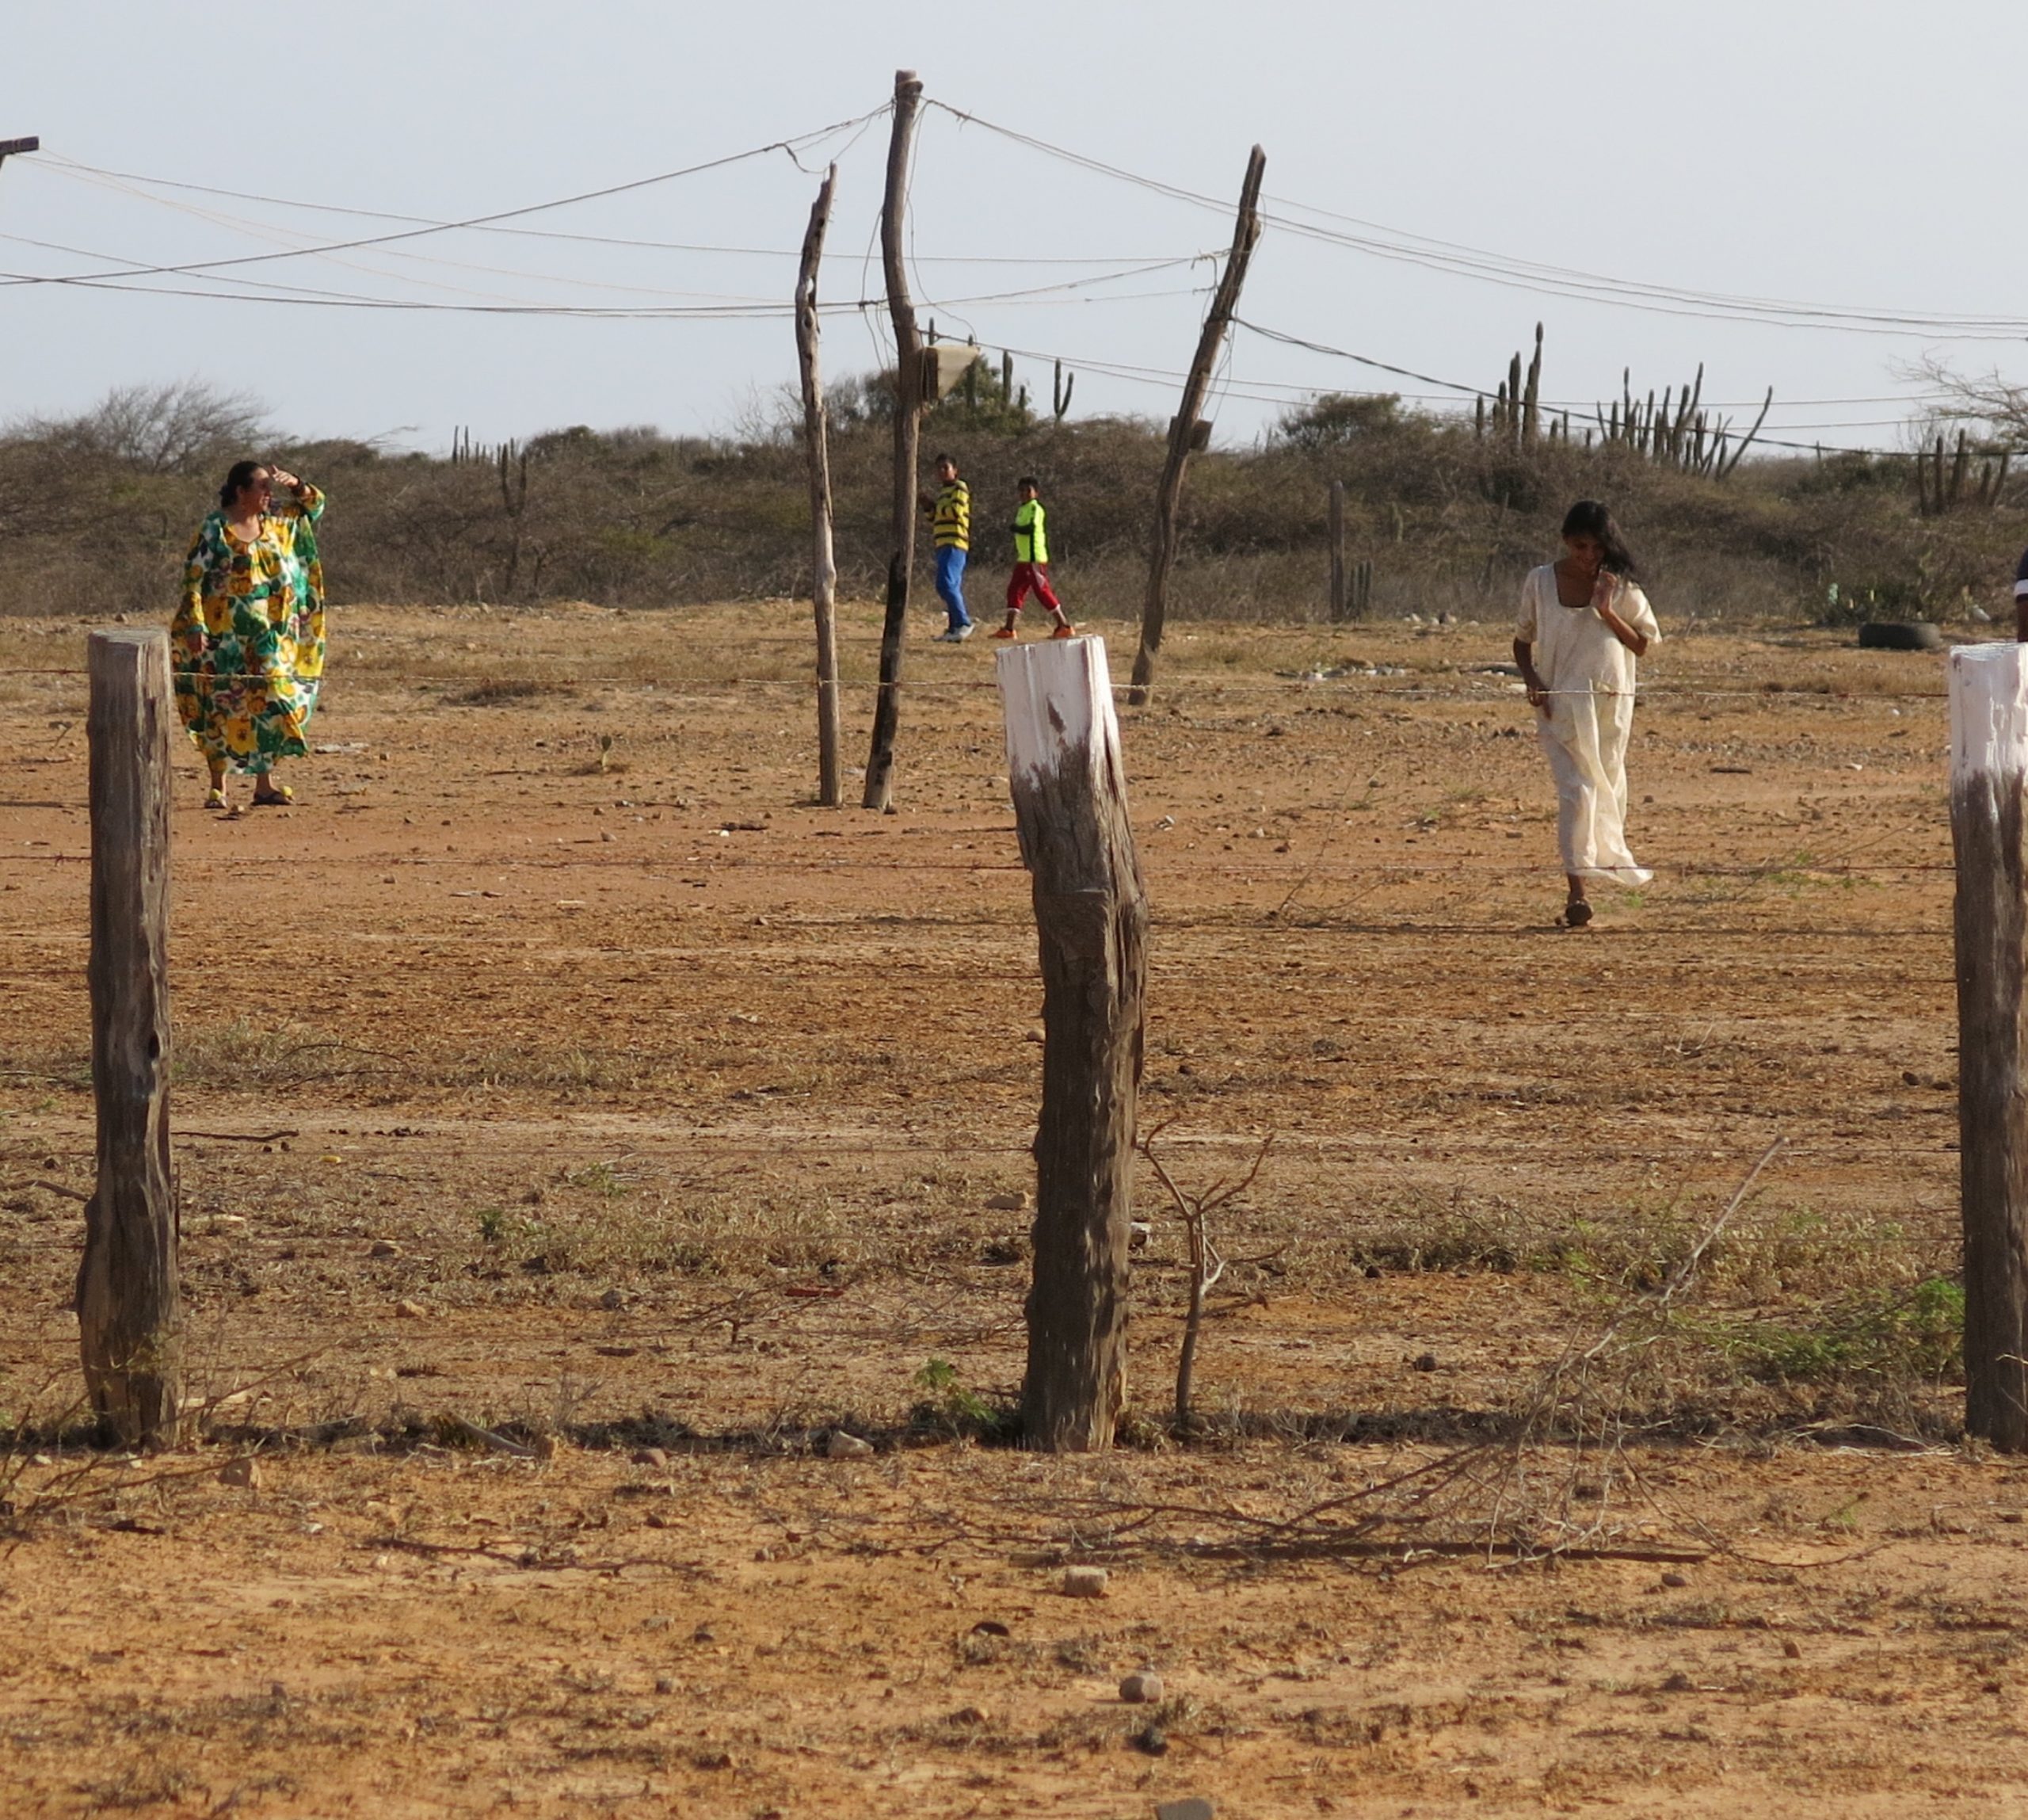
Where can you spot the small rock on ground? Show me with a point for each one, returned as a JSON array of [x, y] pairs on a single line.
[[1142, 1689], [1191, 1807], [1084, 1582], [843, 1446]]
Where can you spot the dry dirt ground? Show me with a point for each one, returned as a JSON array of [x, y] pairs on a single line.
[[554, 1069]]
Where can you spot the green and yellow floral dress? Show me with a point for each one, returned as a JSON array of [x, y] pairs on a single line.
[[247, 643]]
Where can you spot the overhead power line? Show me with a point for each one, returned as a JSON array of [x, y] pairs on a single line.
[[221, 279], [194, 268], [124, 183], [1502, 269]]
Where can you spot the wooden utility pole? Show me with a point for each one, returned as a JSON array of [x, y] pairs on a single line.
[[1989, 774], [1337, 551], [908, 428], [816, 439], [1182, 429], [1069, 788], [129, 1305]]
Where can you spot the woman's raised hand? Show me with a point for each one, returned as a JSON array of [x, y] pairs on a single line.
[[282, 475]]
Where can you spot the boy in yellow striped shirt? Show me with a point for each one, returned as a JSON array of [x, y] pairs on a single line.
[[950, 532]]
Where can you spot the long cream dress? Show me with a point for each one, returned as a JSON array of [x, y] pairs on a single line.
[[1590, 677]]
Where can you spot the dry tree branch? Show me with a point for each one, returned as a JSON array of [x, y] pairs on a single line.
[[1685, 1271], [1511, 1498], [1205, 1265]]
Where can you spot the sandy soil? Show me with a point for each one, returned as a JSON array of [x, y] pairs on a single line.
[[554, 1067]]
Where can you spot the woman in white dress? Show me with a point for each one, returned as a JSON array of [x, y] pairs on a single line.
[[1583, 619]]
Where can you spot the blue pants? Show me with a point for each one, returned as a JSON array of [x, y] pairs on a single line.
[[951, 584]]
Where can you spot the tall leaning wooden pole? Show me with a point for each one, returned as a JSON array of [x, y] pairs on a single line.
[[908, 430], [816, 445], [129, 1305], [1988, 782], [1070, 788], [1183, 430]]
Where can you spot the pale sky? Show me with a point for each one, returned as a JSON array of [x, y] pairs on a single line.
[[1843, 153]]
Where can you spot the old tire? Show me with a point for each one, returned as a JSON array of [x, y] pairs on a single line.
[[1905, 634]]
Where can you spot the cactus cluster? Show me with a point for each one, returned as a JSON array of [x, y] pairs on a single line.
[[1677, 431]]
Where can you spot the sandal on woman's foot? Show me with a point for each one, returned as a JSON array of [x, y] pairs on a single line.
[[1575, 913], [274, 798], [215, 799]]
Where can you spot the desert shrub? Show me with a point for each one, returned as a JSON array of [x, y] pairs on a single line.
[[96, 512]]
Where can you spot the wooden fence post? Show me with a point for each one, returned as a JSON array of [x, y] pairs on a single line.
[[1070, 788], [908, 433], [1183, 428], [1337, 551], [1988, 758], [823, 561], [129, 1305]]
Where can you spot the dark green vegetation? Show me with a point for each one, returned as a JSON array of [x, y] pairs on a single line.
[[96, 513]]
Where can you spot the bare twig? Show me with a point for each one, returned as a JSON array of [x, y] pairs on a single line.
[[495, 1442], [1685, 1271], [242, 1137], [1205, 1265]]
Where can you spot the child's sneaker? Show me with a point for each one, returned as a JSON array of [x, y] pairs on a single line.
[[1066, 630], [1006, 633]]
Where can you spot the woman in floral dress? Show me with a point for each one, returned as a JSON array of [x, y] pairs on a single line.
[[248, 641]]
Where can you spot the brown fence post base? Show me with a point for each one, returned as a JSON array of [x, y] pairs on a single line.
[[129, 1304], [1988, 758], [1069, 790]]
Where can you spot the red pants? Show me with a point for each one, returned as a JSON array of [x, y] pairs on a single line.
[[1026, 576]]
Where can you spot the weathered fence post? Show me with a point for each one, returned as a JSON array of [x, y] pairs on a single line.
[[129, 1305], [1989, 757], [823, 561], [1184, 428], [1069, 788], [1337, 551], [879, 789]]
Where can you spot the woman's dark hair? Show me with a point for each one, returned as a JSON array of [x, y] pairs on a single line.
[[1027, 480], [236, 477], [1587, 518]]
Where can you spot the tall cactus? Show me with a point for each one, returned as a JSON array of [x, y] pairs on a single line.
[[513, 465]]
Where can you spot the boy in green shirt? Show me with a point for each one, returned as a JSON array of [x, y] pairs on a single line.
[[1031, 564]]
